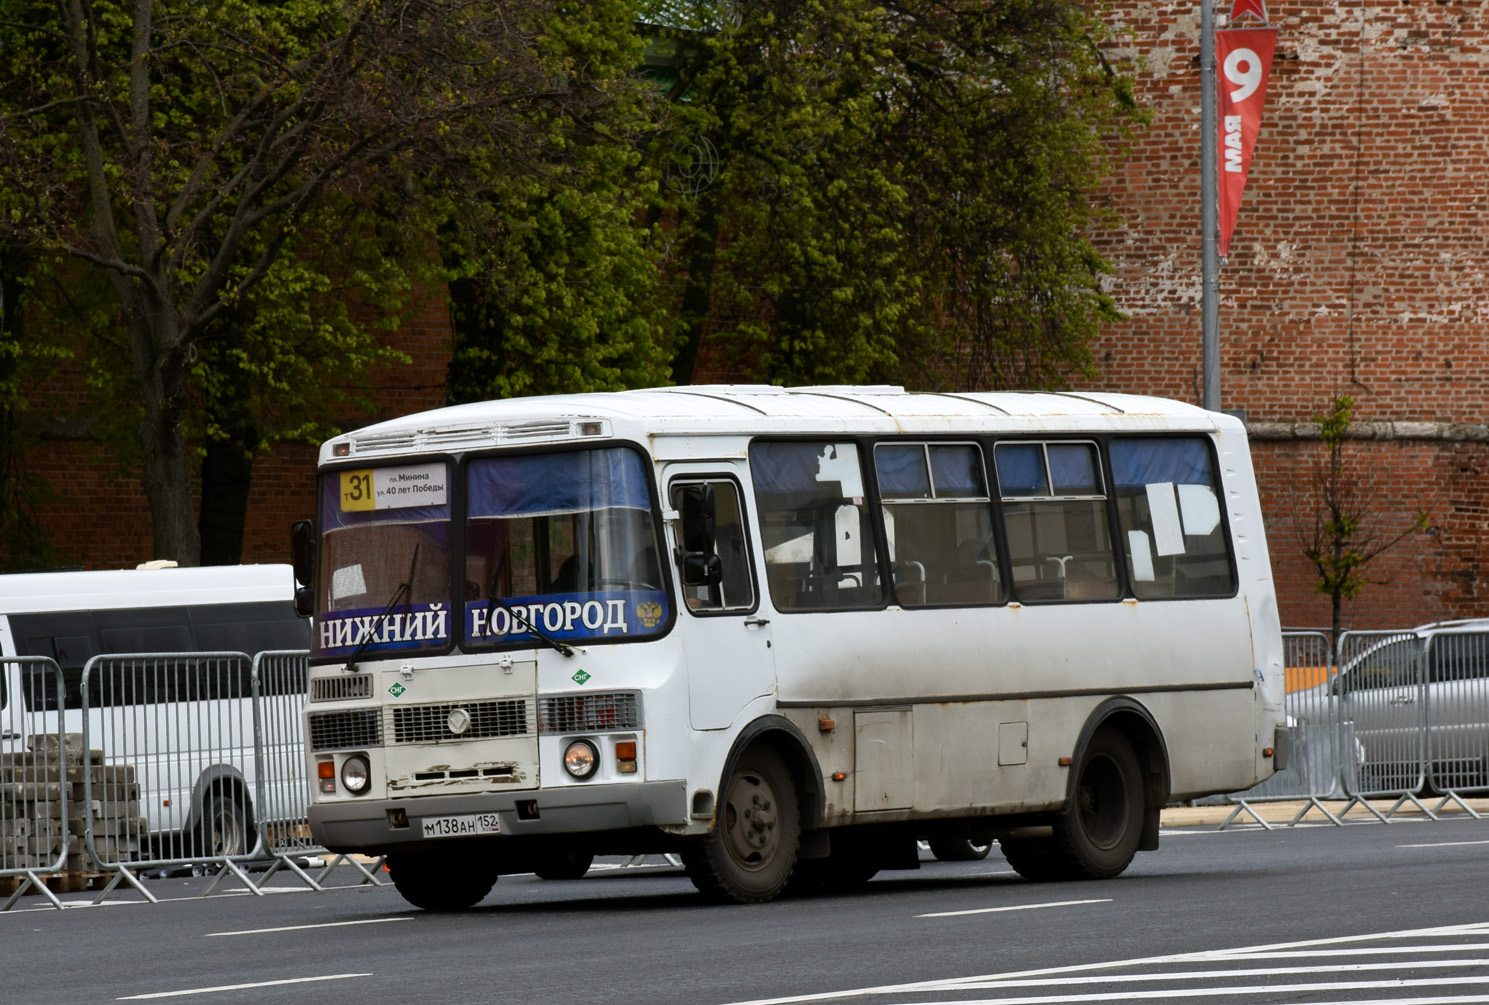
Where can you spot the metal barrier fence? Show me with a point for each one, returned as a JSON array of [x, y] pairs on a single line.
[[282, 790], [155, 761], [36, 777], [1392, 715]]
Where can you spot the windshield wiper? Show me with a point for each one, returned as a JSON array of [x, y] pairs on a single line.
[[404, 592], [494, 601]]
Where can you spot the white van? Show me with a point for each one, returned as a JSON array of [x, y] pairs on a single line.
[[184, 725]]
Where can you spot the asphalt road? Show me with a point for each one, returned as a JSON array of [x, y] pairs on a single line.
[[1366, 913]]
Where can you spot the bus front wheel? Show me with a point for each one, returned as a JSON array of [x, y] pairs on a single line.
[[441, 882], [750, 854], [1099, 833]]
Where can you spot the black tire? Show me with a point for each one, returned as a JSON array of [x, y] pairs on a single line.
[[749, 856], [962, 849], [441, 882], [225, 827], [1099, 832], [566, 865], [1035, 859]]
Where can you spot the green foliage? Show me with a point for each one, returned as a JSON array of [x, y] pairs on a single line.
[[553, 288], [254, 183], [903, 188]]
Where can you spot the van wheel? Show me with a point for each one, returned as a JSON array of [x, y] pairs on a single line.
[[1099, 833], [443, 882], [750, 854], [965, 849], [568, 865], [225, 829]]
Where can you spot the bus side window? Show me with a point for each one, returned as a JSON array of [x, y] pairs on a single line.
[[736, 589], [1168, 503], [1054, 512], [815, 526], [938, 523]]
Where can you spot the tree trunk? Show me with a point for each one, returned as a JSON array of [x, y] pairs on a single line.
[[227, 475], [698, 294], [166, 476]]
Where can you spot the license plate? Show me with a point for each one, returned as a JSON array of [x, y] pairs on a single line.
[[467, 823]]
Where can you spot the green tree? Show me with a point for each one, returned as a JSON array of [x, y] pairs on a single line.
[[903, 188], [1344, 535], [552, 285], [183, 151]]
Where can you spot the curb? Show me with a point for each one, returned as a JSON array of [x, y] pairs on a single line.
[[1292, 810]]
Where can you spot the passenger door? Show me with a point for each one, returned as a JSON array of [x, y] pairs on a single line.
[[727, 644]]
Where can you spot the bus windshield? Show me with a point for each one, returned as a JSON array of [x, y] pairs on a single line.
[[385, 549], [562, 543]]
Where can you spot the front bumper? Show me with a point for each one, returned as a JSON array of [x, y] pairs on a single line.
[[365, 825]]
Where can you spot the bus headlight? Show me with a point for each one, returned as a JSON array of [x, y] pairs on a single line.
[[581, 759], [356, 774]]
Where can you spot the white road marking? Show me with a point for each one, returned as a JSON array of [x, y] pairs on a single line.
[[1443, 844], [239, 987], [1130, 994], [301, 928], [1018, 907], [1187, 975], [1271, 950]]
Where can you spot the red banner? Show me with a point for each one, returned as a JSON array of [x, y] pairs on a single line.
[[1244, 58], [1257, 7]]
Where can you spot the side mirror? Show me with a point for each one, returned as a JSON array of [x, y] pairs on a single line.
[[696, 502], [702, 570], [302, 553], [304, 601]]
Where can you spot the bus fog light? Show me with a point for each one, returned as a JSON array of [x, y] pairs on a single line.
[[356, 774], [581, 759]]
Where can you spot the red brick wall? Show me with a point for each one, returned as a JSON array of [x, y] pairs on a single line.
[[1359, 265]]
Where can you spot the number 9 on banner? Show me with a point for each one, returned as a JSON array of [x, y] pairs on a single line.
[[1247, 80]]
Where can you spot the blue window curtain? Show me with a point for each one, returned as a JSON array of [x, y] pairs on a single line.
[[547, 484]]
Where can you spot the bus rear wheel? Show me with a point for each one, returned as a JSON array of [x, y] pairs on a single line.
[[752, 850], [1099, 833], [441, 882]]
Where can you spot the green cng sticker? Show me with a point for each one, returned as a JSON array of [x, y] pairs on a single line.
[[397, 690], [580, 677]]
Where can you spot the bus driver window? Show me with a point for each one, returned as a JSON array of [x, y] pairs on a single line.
[[735, 591]]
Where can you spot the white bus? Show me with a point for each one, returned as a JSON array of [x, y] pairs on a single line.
[[783, 633], [179, 723]]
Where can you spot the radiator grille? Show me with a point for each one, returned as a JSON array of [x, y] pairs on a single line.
[[358, 727], [589, 713], [431, 723], [341, 688]]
